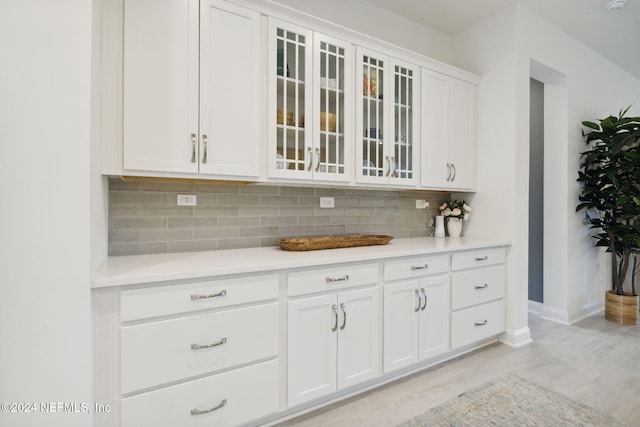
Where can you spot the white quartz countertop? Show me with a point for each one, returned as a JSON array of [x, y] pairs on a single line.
[[139, 269]]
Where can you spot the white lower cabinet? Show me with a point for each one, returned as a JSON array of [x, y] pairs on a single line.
[[333, 342], [226, 399], [416, 321]]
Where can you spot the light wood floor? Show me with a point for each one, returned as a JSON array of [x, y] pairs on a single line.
[[594, 361]]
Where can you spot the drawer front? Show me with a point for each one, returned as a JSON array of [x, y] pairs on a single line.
[[160, 352], [164, 300], [330, 279], [249, 393], [477, 258], [472, 287], [415, 267], [477, 323]]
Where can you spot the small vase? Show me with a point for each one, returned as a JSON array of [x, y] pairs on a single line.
[[454, 227], [439, 232]]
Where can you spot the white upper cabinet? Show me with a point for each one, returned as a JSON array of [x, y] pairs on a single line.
[[387, 120], [309, 105], [191, 88], [448, 132]]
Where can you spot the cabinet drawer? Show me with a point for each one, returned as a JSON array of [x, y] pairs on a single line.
[[479, 258], [472, 287], [477, 323], [415, 267], [250, 392], [160, 352], [331, 279], [164, 300]]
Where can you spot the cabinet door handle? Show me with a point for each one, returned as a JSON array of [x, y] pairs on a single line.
[[394, 169], [419, 267], [485, 286], [419, 301], [338, 279], [344, 312], [317, 159], [425, 299], [206, 411], [484, 322], [203, 346], [388, 159], [206, 144], [310, 152], [193, 147], [197, 296], [483, 258], [449, 175], [335, 312], [453, 166]]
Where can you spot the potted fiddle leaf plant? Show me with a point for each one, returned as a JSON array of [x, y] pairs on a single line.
[[610, 195]]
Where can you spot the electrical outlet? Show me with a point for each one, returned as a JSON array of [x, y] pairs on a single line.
[[327, 202], [187, 200], [422, 204]]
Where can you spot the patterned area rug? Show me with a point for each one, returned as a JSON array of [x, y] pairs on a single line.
[[512, 401]]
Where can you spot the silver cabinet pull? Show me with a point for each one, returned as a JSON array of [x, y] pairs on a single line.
[[205, 142], [453, 166], [394, 169], [197, 296], [203, 346], [317, 159], [310, 151], [339, 279], [484, 322], [419, 301], [419, 267], [344, 322], [449, 175], [206, 411], [425, 299], [485, 286], [484, 258], [388, 159], [335, 311], [193, 148]]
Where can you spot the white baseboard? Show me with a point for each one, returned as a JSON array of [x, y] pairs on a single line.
[[535, 307], [567, 317], [517, 338]]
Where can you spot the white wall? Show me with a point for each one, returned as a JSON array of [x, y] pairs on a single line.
[[501, 49], [45, 223]]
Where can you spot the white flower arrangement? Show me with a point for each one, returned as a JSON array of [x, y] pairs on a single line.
[[455, 209]]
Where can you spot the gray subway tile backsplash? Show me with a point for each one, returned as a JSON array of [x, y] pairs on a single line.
[[144, 217]]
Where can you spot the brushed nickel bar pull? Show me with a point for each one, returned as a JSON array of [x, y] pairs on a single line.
[[389, 164], [193, 148], [425, 299], [204, 156], [449, 175], [453, 178], [203, 346], [344, 322], [335, 311], [219, 294], [419, 267], [485, 286], [310, 151], [395, 167], [206, 411], [484, 258], [339, 279], [317, 159], [484, 322], [419, 301]]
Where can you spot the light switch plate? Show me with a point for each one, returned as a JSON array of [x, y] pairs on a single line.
[[422, 204], [327, 202]]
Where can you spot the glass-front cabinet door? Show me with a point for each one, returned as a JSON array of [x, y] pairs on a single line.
[[309, 112], [386, 120]]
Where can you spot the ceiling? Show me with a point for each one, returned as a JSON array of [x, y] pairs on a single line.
[[615, 35]]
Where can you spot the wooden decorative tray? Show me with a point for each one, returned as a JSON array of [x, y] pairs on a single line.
[[331, 242]]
